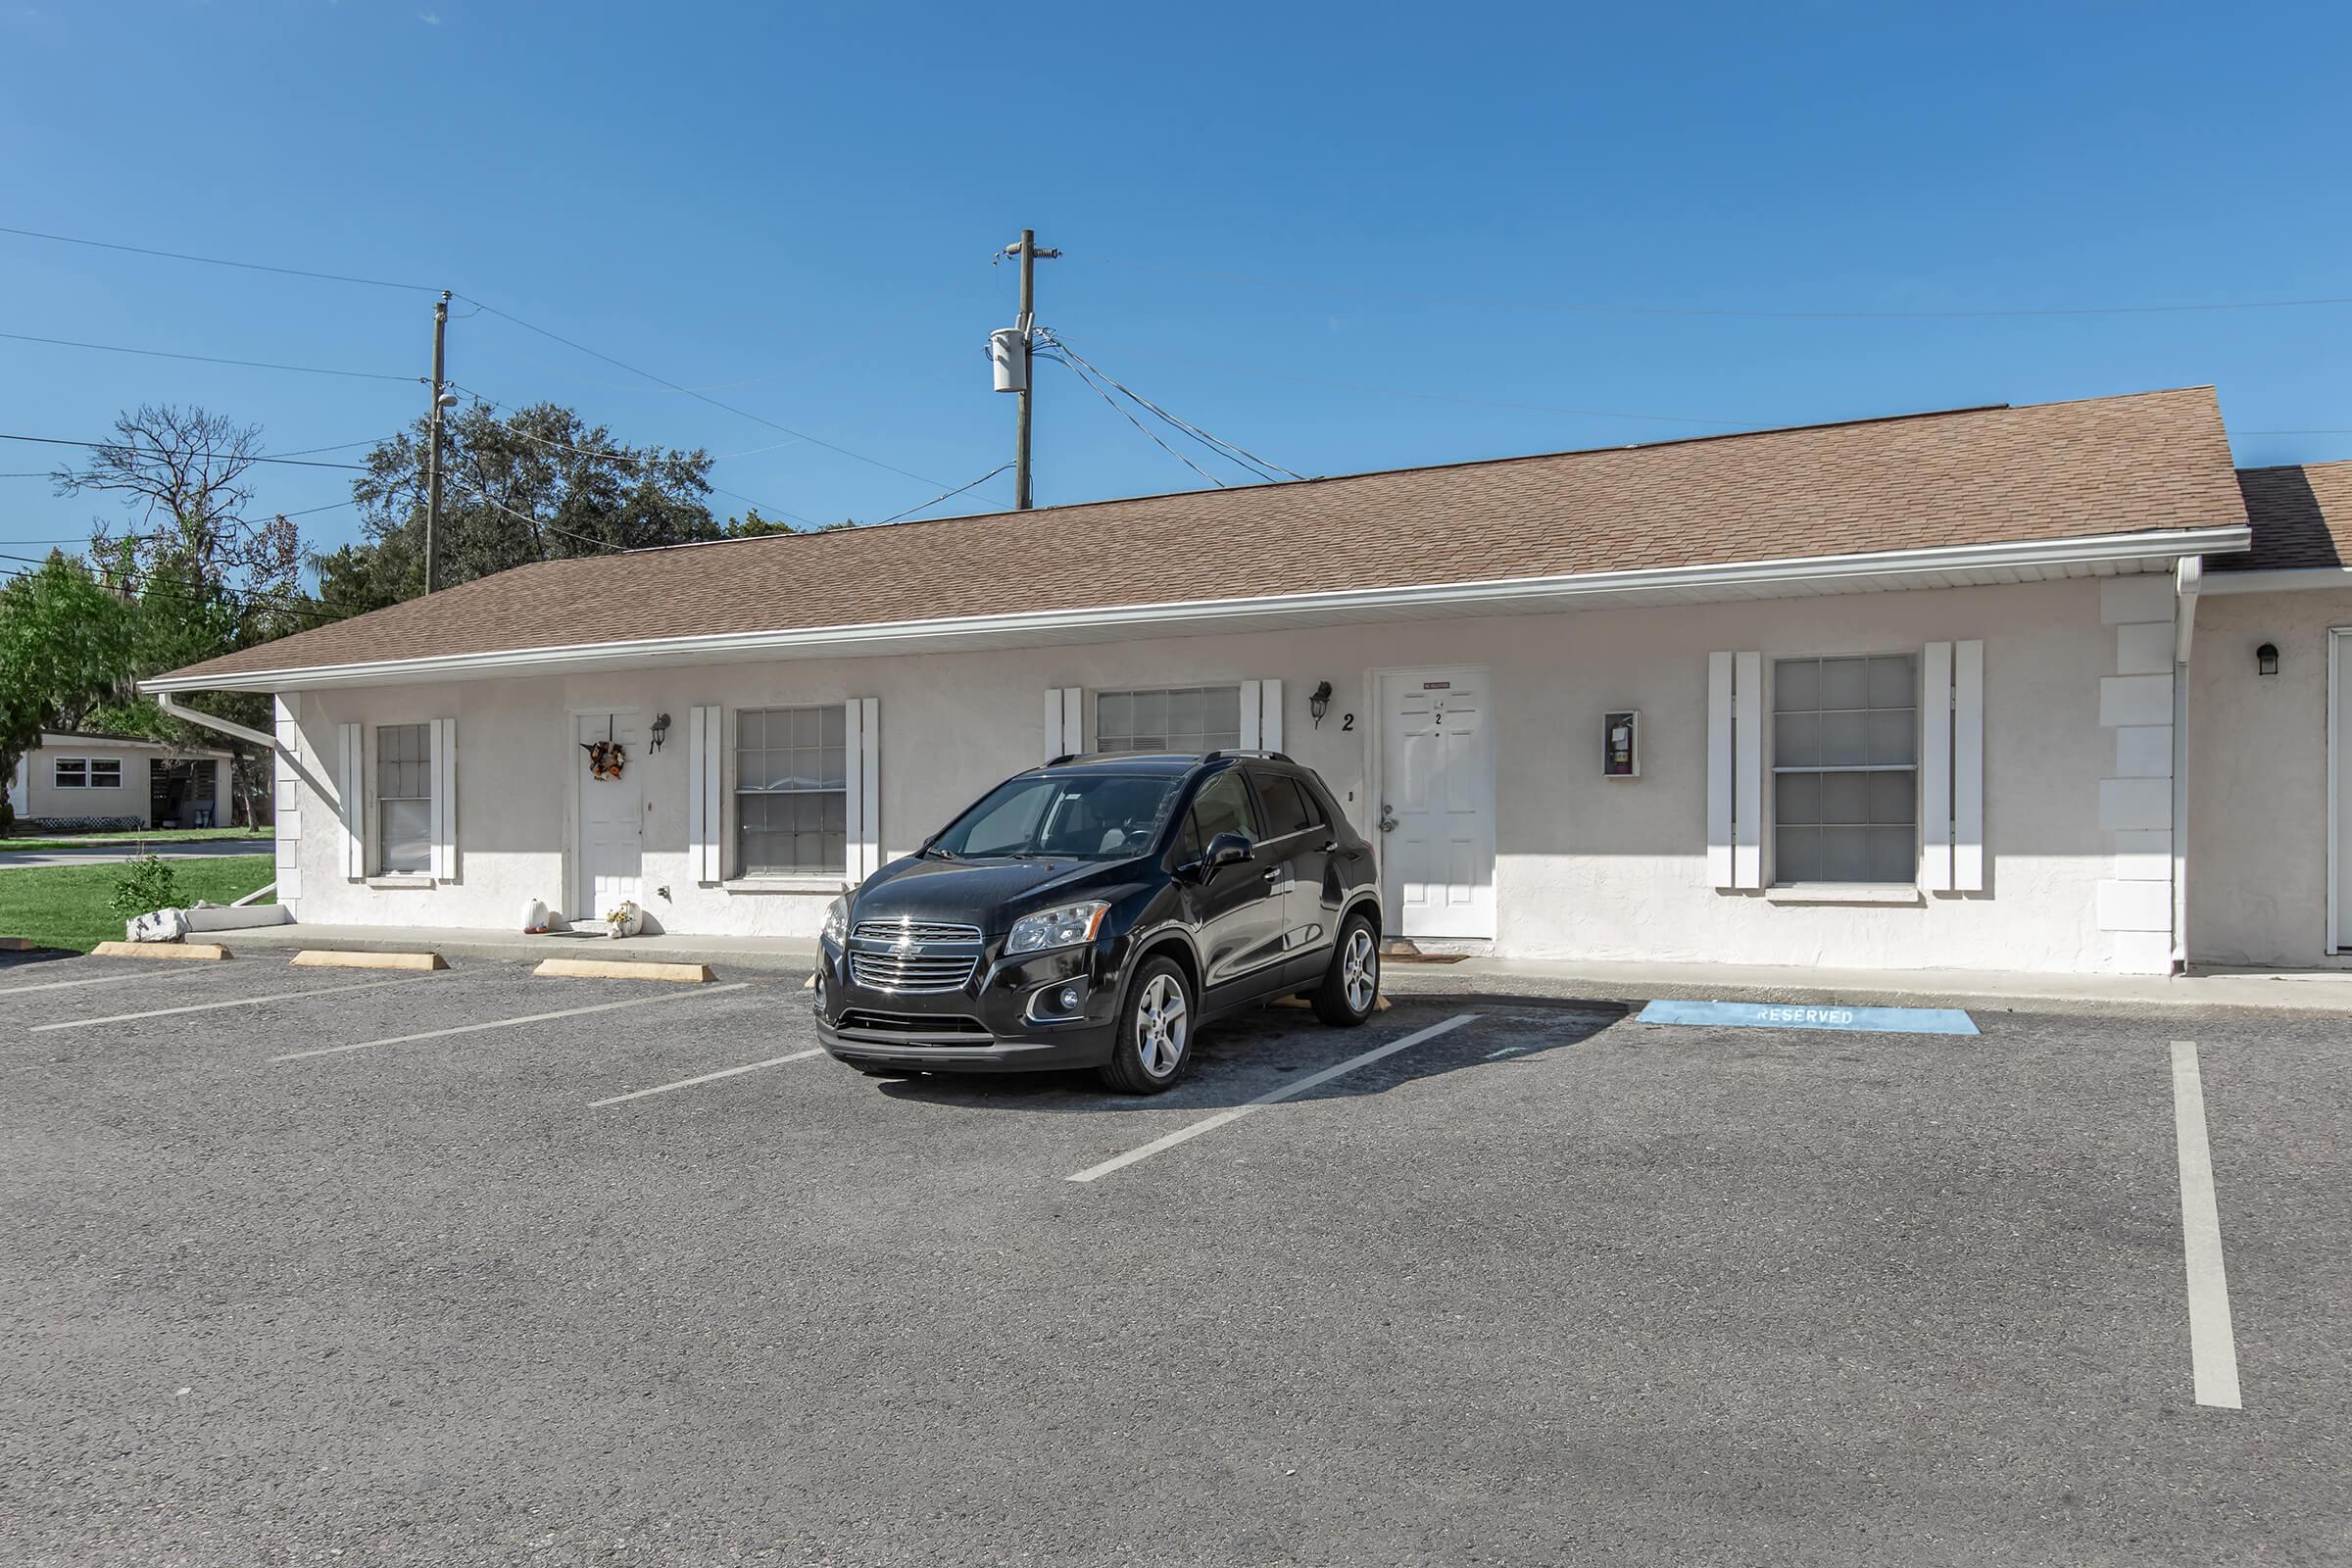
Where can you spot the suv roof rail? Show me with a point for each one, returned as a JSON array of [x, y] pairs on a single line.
[[1067, 757], [1240, 751]]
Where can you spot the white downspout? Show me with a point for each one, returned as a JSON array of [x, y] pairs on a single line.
[[2188, 576], [269, 743]]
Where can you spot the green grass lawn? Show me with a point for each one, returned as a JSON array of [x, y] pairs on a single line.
[[65, 905], [163, 835]]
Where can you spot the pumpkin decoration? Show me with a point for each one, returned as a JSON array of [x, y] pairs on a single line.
[[606, 758]]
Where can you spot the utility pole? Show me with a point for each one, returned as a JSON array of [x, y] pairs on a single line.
[[432, 454], [1029, 254]]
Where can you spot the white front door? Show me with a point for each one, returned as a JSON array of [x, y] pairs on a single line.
[[611, 849], [1437, 813]]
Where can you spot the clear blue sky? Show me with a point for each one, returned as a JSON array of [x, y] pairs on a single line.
[[794, 207]]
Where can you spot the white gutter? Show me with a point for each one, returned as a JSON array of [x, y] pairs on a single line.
[[190, 715], [2284, 579], [1486, 594]]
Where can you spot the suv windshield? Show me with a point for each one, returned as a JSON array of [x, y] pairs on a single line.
[[1086, 816]]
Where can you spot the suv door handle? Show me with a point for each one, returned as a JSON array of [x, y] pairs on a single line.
[[1269, 873]]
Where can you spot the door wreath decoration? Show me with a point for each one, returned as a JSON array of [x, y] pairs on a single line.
[[606, 758]]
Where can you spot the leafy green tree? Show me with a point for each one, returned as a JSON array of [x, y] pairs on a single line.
[[67, 648]]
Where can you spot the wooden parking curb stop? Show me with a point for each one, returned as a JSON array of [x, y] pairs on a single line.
[[338, 959], [625, 969], [1380, 1003], [159, 949], [15, 945]]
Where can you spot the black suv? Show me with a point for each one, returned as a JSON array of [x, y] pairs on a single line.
[[1095, 913]]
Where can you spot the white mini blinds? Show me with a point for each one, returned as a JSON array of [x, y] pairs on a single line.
[[1183, 718], [792, 806], [1845, 768]]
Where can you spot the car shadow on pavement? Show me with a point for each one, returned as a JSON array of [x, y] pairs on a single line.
[[1247, 1054]]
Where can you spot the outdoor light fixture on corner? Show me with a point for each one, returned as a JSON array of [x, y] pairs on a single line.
[[1320, 703], [660, 730], [2265, 660]]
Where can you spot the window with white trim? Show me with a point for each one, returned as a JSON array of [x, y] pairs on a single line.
[[106, 773], [792, 801], [70, 773], [1178, 718], [1845, 769], [404, 800]]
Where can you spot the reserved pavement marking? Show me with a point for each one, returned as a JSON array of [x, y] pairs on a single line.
[[1798, 1015], [2212, 1345], [708, 1077], [240, 1001], [508, 1023], [1271, 1097]]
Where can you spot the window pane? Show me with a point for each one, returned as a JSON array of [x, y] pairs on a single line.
[[807, 729], [1796, 855], [1845, 683], [1892, 682], [1891, 737], [407, 836], [1845, 855], [1221, 711], [1844, 739], [1797, 798], [1150, 714], [1893, 798], [1844, 799], [1893, 853], [1797, 685], [1223, 807], [1797, 740], [1114, 718]]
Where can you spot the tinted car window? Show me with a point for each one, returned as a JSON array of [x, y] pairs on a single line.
[[1288, 807], [1223, 805], [1088, 817]]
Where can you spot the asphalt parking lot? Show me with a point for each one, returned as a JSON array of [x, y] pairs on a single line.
[[476, 1266]]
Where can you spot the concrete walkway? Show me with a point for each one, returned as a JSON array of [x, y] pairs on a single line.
[[115, 854], [2311, 991]]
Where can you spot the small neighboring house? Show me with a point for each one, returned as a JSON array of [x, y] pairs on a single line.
[[73, 774], [1934, 691]]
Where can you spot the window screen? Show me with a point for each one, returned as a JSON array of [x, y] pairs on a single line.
[[1845, 769], [1183, 718], [404, 798], [791, 802]]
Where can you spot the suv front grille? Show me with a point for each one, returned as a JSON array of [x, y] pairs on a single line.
[[916, 1023], [916, 931], [912, 971]]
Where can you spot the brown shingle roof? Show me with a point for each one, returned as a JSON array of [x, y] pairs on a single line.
[[2301, 514], [2104, 465]]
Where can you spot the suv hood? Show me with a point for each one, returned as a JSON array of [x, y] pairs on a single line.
[[988, 893]]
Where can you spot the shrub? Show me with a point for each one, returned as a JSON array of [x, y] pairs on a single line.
[[146, 886]]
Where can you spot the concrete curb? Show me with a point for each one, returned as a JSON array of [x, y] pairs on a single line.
[[623, 969], [338, 959], [159, 949], [15, 945]]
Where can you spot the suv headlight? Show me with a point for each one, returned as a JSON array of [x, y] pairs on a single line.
[[1064, 927], [836, 922]]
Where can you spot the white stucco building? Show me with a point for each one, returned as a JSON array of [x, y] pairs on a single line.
[[1967, 690]]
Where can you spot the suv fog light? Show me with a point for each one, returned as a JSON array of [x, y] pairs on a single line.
[[1051, 1003], [817, 993]]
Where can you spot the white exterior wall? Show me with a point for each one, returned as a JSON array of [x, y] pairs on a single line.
[[2258, 778], [47, 800], [1586, 868]]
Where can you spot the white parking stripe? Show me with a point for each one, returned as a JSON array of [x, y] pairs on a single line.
[[708, 1077], [508, 1023], [2212, 1344], [239, 1001], [1270, 1097], [167, 972]]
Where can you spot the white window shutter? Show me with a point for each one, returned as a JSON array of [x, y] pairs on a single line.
[[443, 739], [1719, 770], [351, 784], [1065, 721], [1251, 732], [861, 734], [1935, 767], [1747, 771], [1269, 715], [1968, 766], [704, 754]]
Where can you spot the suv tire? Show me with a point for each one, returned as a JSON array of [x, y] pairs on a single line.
[[1351, 988], [1155, 1040]]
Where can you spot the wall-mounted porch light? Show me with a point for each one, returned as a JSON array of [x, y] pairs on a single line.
[[1320, 703], [2265, 660]]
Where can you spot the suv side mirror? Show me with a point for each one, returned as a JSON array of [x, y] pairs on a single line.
[[1227, 849]]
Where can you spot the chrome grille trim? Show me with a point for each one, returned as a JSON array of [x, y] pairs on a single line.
[[912, 973], [916, 931]]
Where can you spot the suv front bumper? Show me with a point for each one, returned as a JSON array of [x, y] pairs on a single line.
[[985, 1026]]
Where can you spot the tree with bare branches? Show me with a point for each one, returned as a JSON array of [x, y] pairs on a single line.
[[181, 473]]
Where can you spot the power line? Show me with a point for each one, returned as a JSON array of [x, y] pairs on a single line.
[[1257, 467], [169, 451], [742, 413], [215, 261], [486, 498], [206, 359], [1149, 435], [936, 500], [1587, 308]]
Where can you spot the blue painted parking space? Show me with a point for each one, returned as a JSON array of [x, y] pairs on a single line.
[[1792, 1015]]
